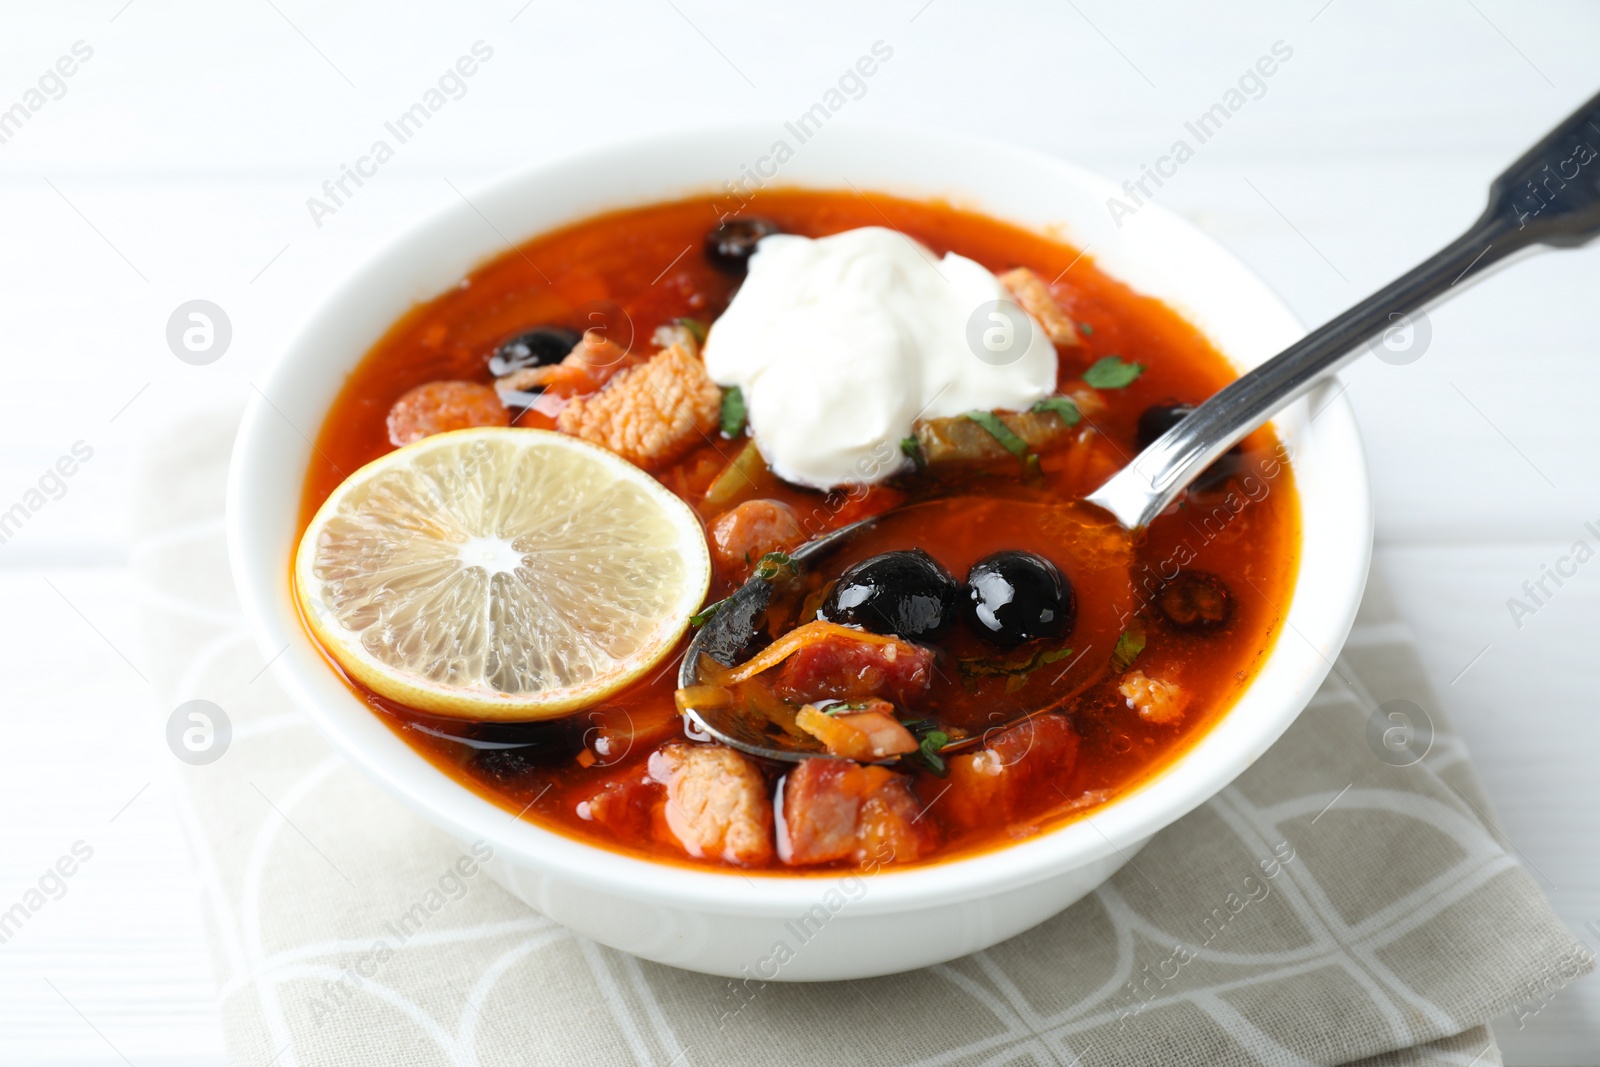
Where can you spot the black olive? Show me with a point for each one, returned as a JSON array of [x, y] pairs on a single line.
[[1157, 419], [1195, 600], [730, 246], [538, 347], [1016, 596], [908, 594], [503, 765]]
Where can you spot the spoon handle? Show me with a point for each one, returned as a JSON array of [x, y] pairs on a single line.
[[1550, 196]]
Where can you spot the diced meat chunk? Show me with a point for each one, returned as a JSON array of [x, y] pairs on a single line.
[[1019, 769], [841, 667], [1034, 295], [1155, 700], [435, 407], [626, 806], [837, 810], [740, 537], [716, 802], [591, 363], [869, 733], [650, 414]]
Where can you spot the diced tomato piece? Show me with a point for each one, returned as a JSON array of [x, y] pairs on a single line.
[[1018, 770], [834, 809], [841, 667]]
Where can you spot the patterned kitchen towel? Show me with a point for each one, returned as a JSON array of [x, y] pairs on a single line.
[[1341, 902]]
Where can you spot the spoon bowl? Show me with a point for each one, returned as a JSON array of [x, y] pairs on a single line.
[[727, 636]]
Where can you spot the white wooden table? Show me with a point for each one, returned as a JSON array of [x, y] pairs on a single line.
[[176, 161]]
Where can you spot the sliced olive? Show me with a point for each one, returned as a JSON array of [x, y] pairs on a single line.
[[1157, 419], [538, 347], [908, 594], [730, 246], [1014, 597], [1195, 600]]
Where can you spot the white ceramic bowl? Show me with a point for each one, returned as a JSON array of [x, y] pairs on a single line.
[[828, 928]]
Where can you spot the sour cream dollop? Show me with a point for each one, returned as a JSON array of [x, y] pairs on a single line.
[[840, 343]]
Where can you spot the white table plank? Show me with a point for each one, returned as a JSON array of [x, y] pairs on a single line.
[[120, 940]]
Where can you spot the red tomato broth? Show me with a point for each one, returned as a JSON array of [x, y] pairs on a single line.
[[635, 269]]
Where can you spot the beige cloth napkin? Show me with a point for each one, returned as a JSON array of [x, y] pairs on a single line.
[[1392, 927]]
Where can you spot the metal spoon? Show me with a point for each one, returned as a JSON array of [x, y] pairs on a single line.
[[1550, 197]]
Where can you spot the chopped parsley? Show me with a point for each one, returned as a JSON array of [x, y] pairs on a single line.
[[1085, 329], [701, 617], [733, 412], [1061, 405], [910, 447], [696, 328], [927, 752], [1000, 432], [1129, 645], [1015, 672], [1111, 373]]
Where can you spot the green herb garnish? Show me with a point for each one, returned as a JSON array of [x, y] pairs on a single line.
[[1000, 432], [772, 564], [696, 328], [1061, 405], [1015, 672], [732, 412], [910, 447], [927, 752], [1129, 645], [1111, 373], [1085, 329], [705, 613]]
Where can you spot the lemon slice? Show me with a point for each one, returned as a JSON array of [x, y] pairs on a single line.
[[500, 573]]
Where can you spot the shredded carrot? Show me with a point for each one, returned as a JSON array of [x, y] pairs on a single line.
[[793, 641], [702, 696], [839, 738]]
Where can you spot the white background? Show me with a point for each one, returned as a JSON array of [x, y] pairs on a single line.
[[177, 166]]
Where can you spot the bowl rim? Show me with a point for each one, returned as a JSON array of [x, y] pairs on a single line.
[[1309, 638]]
